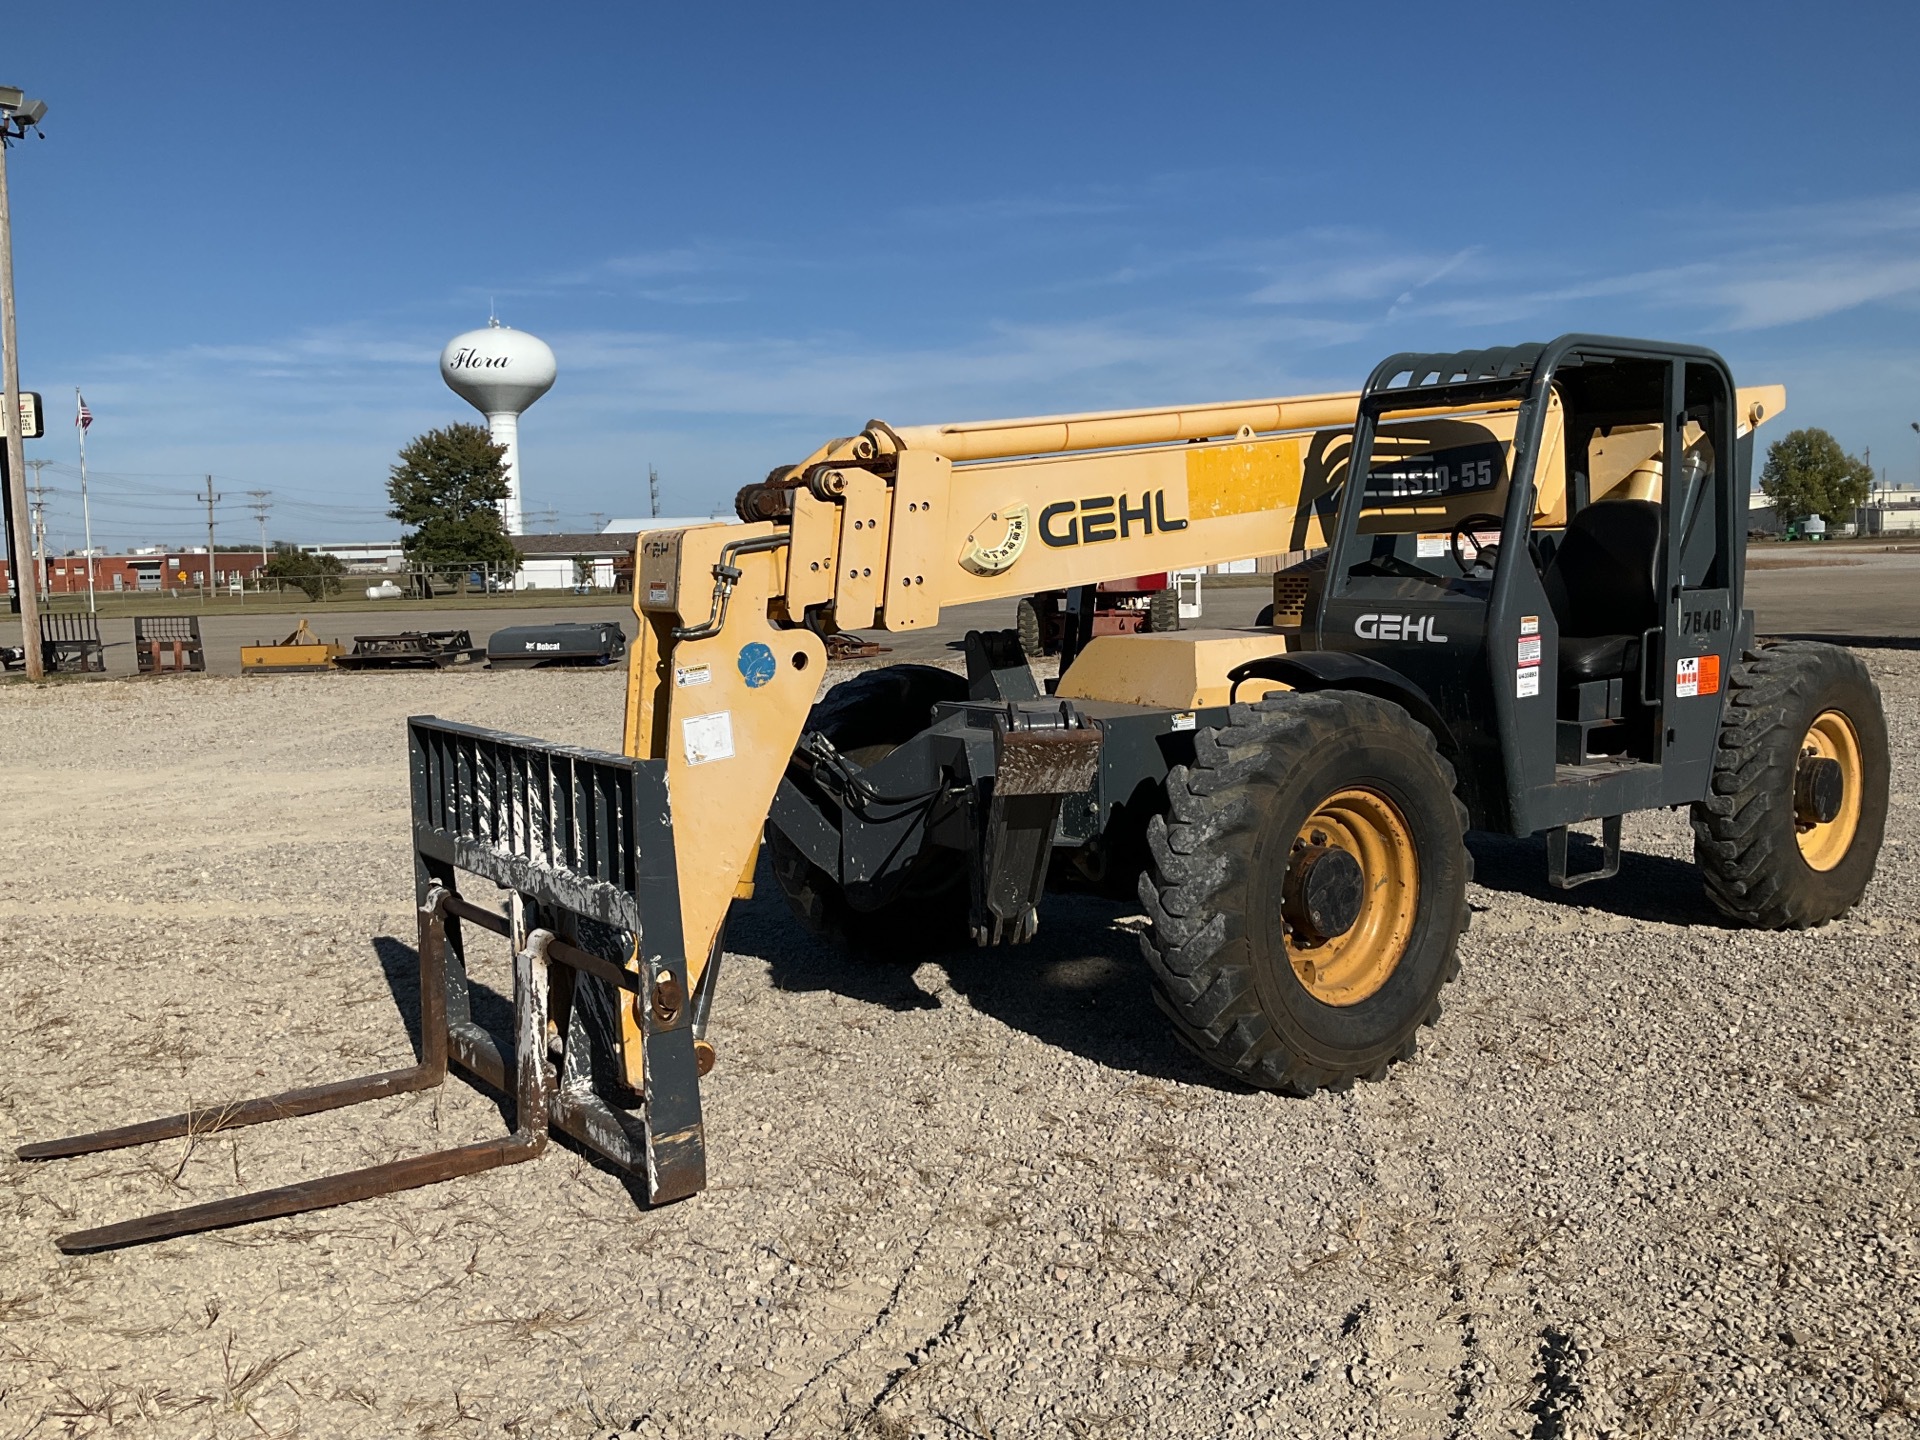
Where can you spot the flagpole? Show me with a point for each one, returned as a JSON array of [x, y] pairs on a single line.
[[86, 513]]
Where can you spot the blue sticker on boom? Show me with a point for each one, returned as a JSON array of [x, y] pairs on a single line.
[[756, 664]]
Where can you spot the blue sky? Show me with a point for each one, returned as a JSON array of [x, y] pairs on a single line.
[[745, 229]]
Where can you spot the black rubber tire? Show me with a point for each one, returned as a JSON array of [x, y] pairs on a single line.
[[1026, 623], [865, 717], [1744, 835], [1163, 612], [1212, 889], [1265, 617]]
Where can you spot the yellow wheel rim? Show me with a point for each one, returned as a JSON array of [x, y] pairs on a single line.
[[1348, 968], [1832, 737]]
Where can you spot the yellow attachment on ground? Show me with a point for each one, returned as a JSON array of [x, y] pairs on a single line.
[[302, 650], [1182, 670]]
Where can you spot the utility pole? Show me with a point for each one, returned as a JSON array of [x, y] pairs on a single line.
[[209, 497], [259, 504], [17, 115], [653, 490], [82, 422], [37, 532], [599, 518]]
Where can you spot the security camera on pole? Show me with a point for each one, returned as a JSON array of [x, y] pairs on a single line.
[[500, 372]]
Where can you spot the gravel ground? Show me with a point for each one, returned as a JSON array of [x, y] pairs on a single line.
[[1648, 1176]]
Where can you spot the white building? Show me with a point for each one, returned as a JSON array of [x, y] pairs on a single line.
[[1890, 510], [566, 562], [364, 557]]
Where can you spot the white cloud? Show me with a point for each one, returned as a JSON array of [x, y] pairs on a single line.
[[717, 389]]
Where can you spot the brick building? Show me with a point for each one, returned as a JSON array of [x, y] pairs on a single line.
[[151, 572]]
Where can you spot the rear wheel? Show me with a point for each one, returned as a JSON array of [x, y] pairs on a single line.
[[1163, 612], [1791, 831], [918, 910], [1027, 624], [1307, 890]]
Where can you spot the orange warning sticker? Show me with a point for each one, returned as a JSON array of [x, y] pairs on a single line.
[[1697, 675]]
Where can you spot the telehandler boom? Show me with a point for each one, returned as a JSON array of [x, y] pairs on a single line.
[[1524, 611]]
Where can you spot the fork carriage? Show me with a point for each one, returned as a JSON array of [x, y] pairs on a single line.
[[582, 842]]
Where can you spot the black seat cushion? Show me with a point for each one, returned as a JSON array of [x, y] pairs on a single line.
[[1597, 657], [1604, 586]]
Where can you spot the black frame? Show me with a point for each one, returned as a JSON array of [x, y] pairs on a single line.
[[1508, 745]]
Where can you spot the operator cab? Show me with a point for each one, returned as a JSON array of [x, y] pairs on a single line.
[[1546, 544]]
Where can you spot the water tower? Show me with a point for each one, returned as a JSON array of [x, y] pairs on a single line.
[[500, 372]]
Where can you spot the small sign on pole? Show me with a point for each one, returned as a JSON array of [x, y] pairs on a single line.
[[32, 420]]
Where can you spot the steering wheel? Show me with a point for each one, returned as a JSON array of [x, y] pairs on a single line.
[[1487, 554]]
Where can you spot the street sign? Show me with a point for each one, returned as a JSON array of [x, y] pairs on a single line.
[[33, 423]]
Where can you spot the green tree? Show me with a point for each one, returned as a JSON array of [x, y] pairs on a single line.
[[317, 574], [1807, 473], [448, 487]]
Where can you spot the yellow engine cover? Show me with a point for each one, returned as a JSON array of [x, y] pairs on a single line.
[[1182, 670]]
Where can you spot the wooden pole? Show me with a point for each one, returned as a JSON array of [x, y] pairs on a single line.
[[16, 450]]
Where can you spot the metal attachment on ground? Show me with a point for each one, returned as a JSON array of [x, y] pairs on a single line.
[[560, 645], [411, 650], [164, 643], [70, 644], [302, 650], [605, 837]]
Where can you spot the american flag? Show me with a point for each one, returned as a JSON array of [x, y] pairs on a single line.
[[85, 417]]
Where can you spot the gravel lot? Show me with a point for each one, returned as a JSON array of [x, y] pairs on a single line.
[[1648, 1176]]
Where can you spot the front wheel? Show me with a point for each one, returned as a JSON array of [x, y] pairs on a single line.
[[1789, 834], [1307, 890]]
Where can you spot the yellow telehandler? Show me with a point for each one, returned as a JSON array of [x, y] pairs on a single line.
[[1524, 611]]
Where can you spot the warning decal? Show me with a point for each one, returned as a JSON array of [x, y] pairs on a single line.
[[708, 737], [1696, 675]]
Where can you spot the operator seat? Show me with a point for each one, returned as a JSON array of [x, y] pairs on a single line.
[[1604, 586]]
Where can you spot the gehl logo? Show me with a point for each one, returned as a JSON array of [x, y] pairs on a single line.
[[1398, 627], [997, 541], [1104, 517]]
